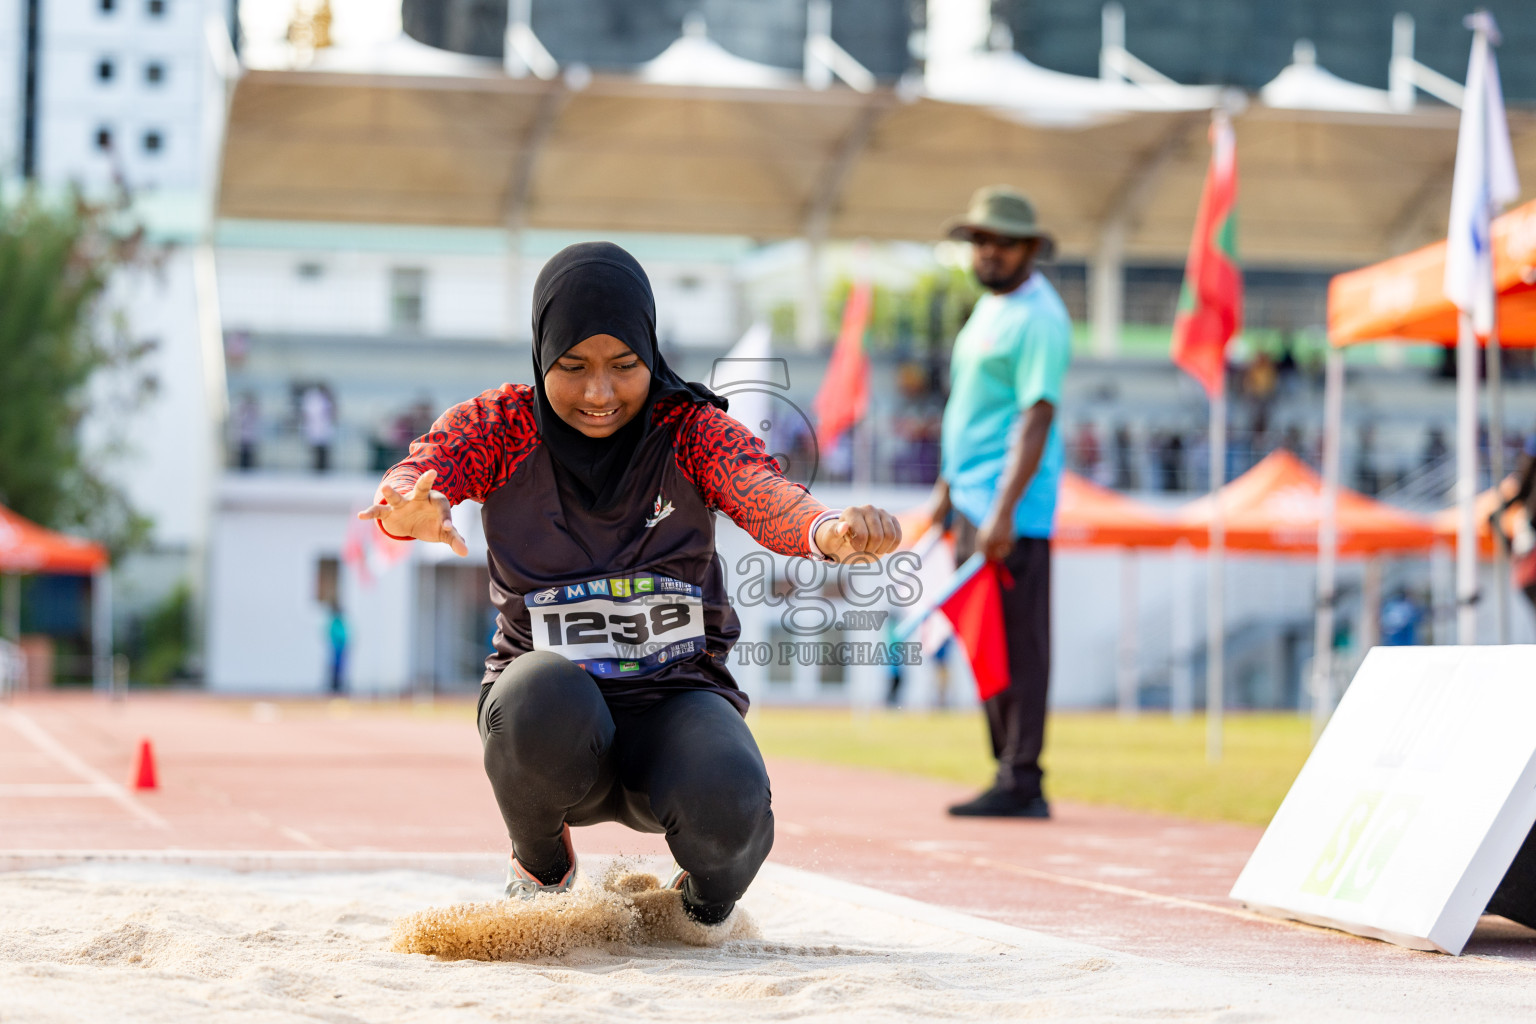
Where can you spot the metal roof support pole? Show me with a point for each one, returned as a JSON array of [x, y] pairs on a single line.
[[522, 51], [101, 631], [1106, 270], [824, 58], [515, 206], [818, 214], [10, 602], [808, 316], [1116, 63], [1404, 74], [1106, 290], [1328, 543], [1127, 677], [1180, 675]]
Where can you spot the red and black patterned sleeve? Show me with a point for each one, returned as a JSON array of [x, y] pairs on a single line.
[[474, 446], [736, 475]]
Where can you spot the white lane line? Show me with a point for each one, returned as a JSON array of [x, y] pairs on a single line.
[[66, 758], [53, 790], [176, 856]]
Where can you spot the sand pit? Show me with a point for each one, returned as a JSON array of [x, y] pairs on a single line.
[[163, 943], [172, 943]]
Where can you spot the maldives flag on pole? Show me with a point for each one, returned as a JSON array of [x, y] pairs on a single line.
[[1211, 302], [844, 394]]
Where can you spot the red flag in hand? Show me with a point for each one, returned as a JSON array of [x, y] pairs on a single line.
[[975, 610]]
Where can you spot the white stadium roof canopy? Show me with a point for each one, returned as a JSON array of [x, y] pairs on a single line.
[[456, 141]]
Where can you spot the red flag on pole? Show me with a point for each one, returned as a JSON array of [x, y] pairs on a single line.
[[975, 611], [844, 394], [1210, 308]]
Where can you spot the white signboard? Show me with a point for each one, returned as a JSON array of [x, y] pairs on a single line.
[[1407, 815]]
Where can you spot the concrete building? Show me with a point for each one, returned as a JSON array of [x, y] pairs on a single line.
[[129, 95]]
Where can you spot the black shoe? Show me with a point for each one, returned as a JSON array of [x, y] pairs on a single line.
[[1002, 803]]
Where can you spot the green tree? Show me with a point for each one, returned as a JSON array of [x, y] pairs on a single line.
[[55, 260]]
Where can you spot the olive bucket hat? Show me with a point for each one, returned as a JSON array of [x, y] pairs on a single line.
[[1003, 211]]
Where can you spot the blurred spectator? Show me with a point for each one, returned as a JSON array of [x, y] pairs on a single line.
[[1435, 449], [1400, 619], [247, 430], [1125, 462], [1259, 382], [317, 415], [392, 441], [1286, 368], [1293, 441], [917, 426], [1367, 477], [1085, 450], [1171, 461], [336, 634]]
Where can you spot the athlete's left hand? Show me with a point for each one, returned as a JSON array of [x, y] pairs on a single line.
[[861, 529]]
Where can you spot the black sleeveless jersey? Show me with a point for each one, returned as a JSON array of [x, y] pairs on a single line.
[[635, 593]]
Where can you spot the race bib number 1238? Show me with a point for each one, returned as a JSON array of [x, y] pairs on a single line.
[[622, 626]]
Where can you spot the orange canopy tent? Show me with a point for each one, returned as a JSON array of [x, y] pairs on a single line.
[[26, 547], [1088, 515], [1277, 506], [1404, 298]]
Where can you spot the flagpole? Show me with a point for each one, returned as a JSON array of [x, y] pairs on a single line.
[[1215, 610], [1496, 470], [1328, 544], [1466, 481], [1486, 178]]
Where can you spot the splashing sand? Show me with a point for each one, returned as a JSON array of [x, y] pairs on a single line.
[[627, 907]]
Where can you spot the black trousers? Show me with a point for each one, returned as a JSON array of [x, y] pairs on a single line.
[[686, 766], [1016, 717]]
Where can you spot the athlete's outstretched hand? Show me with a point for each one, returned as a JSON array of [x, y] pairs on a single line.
[[424, 514], [861, 529]]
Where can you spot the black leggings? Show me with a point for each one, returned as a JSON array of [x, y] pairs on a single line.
[[687, 766]]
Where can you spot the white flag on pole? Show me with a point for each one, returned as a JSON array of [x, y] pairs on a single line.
[[1486, 180]]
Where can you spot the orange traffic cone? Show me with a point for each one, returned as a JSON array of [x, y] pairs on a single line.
[[144, 767]]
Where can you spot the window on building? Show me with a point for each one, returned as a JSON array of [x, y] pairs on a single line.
[[104, 139], [105, 69], [156, 8], [153, 141], [154, 72], [407, 288]]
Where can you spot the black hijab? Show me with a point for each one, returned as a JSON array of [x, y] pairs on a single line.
[[597, 288]]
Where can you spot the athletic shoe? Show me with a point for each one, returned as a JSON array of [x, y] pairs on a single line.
[[1002, 803], [694, 932], [679, 876], [521, 883]]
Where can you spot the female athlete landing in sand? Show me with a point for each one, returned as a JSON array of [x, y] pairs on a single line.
[[607, 697]]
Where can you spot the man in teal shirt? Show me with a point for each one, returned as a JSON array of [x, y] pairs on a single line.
[[1000, 467]]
